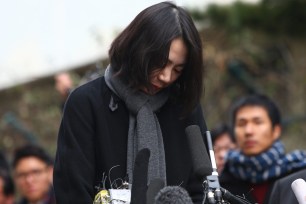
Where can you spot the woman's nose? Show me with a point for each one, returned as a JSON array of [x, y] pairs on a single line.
[[165, 75]]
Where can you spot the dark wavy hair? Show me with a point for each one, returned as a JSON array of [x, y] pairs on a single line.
[[144, 46], [220, 129]]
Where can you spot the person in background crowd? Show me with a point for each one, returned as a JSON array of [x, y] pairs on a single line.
[[33, 170], [282, 192], [7, 189], [63, 85], [260, 158], [222, 141], [149, 94], [3, 162]]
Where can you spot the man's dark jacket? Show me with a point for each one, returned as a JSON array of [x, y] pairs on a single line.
[[240, 187], [244, 188], [282, 192]]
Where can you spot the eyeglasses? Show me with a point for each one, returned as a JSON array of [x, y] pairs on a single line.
[[223, 148], [34, 173]]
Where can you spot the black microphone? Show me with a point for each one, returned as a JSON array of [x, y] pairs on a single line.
[[232, 198], [199, 154], [140, 177], [207, 168], [203, 166], [154, 187], [214, 194], [173, 195]]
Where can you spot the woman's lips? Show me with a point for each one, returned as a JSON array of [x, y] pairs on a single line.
[[156, 88]]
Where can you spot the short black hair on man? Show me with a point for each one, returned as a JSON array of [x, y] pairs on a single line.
[[220, 129], [8, 184], [257, 100], [31, 150], [144, 46]]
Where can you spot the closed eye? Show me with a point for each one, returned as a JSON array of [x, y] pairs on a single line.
[[179, 69]]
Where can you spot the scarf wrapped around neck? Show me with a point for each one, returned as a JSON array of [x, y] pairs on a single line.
[[144, 129], [270, 164]]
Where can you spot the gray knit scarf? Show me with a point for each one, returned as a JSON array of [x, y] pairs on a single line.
[[144, 128]]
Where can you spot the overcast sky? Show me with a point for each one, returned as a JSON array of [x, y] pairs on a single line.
[[41, 37]]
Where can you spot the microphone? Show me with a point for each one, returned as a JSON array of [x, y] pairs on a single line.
[[203, 166], [173, 195], [207, 168], [140, 177], [232, 198], [299, 188], [201, 162], [154, 187]]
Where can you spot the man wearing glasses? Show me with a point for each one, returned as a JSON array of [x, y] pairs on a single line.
[[33, 169]]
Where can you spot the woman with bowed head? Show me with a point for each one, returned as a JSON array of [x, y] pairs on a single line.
[[149, 94]]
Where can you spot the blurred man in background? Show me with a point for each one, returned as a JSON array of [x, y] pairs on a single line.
[[222, 141], [33, 170], [3, 162], [260, 159], [63, 85], [7, 189]]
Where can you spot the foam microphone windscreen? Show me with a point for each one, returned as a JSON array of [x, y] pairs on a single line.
[[173, 195], [154, 187], [140, 177], [299, 188], [199, 154]]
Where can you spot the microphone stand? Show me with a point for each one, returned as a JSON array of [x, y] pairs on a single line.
[[212, 190]]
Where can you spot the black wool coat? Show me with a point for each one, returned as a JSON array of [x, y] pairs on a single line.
[[92, 142]]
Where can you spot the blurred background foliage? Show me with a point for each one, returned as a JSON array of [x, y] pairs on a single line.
[[247, 48], [281, 17], [258, 48]]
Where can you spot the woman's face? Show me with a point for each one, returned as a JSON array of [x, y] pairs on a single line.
[[163, 77]]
